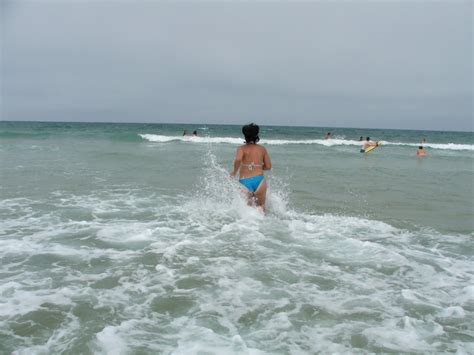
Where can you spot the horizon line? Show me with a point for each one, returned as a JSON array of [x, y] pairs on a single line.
[[237, 124]]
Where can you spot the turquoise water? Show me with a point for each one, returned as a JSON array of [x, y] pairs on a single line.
[[130, 238]]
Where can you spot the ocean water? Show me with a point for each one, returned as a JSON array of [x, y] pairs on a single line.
[[132, 239]]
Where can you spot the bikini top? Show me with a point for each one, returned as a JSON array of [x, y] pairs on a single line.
[[251, 166]]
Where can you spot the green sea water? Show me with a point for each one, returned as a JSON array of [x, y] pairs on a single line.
[[131, 238]]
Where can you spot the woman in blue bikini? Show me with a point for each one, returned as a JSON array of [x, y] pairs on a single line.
[[252, 159]]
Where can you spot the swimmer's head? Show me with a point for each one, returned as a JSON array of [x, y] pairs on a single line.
[[368, 139], [250, 132], [420, 147]]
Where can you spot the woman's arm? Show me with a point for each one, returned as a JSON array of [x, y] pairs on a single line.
[[237, 161], [267, 163]]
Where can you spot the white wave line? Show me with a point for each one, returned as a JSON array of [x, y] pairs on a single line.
[[328, 143]]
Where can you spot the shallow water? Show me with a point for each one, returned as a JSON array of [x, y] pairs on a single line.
[[133, 239]]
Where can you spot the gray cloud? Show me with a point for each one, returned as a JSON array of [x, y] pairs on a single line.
[[354, 64]]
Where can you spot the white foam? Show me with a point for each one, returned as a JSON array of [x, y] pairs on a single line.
[[406, 333], [212, 274], [59, 341], [20, 300], [194, 139], [447, 146], [324, 142], [466, 296], [126, 232], [110, 341], [452, 312]]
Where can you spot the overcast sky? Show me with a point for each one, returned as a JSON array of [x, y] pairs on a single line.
[[385, 64]]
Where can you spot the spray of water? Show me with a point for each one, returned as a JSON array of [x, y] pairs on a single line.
[[219, 194]]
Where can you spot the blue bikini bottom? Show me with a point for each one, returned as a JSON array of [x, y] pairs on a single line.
[[252, 183]]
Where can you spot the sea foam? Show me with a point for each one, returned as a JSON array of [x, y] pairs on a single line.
[[203, 271], [324, 142]]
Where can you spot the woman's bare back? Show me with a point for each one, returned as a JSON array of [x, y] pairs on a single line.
[[254, 160]]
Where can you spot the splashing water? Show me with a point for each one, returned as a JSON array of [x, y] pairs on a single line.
[[130, 268]]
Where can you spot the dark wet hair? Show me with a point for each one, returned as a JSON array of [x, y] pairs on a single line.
[[250, 132], [420, 147], [367, 139]]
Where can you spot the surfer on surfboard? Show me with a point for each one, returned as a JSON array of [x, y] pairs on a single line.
[[367, 144]]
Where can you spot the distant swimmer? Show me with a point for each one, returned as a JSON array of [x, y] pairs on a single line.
[[361, 139], [368, 143], [421, 152], [423, 141], [252, 159], [328, 135], [185, 133]]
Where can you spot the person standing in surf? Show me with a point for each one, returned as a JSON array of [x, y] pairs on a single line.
[[421, 152], [251, 159]]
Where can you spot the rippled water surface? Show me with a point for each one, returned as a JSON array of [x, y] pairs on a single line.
[[133, 239]]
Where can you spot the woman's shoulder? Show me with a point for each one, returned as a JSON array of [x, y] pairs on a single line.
[[261, 147]]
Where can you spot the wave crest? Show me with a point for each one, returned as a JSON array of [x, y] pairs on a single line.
[[324, 142]]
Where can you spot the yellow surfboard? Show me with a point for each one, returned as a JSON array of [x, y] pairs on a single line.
[[371, 148]]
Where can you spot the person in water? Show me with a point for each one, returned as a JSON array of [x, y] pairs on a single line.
[[421, 152], [195, 133], [328, 135], [251, 159], [368, 143]]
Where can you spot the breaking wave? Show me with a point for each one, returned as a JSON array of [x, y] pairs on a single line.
[[328, 143]]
